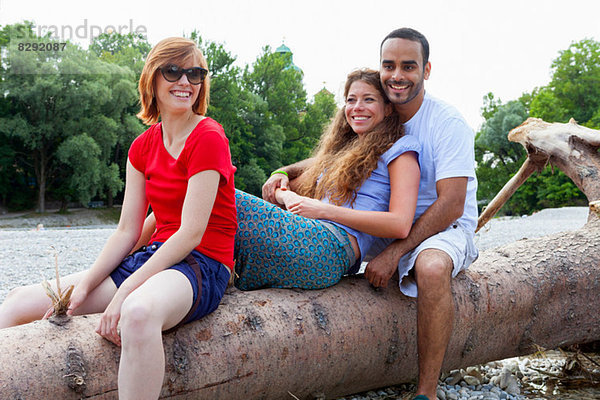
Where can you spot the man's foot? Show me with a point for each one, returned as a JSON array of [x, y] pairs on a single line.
[[411, 396]]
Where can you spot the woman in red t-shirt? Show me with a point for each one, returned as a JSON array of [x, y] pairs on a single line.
[[181, 168]]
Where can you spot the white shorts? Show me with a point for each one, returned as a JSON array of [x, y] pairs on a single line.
[[455, 241]]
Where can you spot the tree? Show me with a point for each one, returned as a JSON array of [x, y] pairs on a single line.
[[53, 96], [317, 116], [490, 105], [65, 99], [15, 176], [546, 105], [306, 342], [235, 108], [127, 50], [497, 158], [263, 111], [279, 85], [81, 154], [573, 92], [576, 80]]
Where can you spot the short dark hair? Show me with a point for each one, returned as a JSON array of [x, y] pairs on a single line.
[[410, 34]]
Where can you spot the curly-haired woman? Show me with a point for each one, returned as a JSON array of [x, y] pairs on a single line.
[[361, 185]]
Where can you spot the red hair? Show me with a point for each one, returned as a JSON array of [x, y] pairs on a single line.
[[175, 50]]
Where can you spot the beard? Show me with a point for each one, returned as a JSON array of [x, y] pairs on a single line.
[[405, 97]]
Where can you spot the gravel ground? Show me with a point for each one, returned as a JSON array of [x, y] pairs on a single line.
[[28, 255], [504, 230]]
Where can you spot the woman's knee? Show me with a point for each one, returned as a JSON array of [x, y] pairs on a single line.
[[24, 304], [17, 294], [137, 319]]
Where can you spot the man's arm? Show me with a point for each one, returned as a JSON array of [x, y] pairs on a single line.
[[282, 181], [448, 207]]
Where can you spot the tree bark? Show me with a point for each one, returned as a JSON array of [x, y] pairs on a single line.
[[345, 339], [40, 171], [109, 199]]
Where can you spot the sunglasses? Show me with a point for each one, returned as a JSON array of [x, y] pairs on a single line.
[[195, 75]]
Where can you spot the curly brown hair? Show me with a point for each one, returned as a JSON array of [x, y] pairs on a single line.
[[342, 159]]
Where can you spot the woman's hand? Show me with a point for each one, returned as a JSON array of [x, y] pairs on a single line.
[[305, 206], [107, 327], [78, 296], [80, 293]]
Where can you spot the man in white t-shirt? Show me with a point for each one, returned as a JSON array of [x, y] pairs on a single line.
[[440, 243]]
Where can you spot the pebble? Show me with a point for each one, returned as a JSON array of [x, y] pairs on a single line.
[[441, 395]]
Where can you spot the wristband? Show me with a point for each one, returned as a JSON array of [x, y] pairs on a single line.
[[279, 171]]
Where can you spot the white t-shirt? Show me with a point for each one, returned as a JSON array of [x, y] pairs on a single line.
[[447, 151]]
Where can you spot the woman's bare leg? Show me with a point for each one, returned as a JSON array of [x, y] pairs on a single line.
[[157, 305], [29, 303]]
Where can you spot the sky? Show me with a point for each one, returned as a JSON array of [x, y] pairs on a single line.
[[477, 46]]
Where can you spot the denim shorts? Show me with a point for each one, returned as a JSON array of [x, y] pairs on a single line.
[[209, 278]]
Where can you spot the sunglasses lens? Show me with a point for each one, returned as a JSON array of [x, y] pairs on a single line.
[[195, 76], [172, 73]]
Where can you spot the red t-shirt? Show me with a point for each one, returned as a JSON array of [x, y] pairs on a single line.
[[206, 148]]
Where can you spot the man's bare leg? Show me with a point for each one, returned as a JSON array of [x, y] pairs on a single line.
[[435, 316]]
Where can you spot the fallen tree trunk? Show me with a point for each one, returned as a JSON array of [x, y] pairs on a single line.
[[271, 343], [345, 339]]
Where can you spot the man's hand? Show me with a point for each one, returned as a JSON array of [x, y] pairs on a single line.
[[274, 182], [380, 269]]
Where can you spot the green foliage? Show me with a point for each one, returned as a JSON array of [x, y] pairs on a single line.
[[490, 105], [127, 50], [548, 189], [576, 80], [52, 99], [547, 106], [250, 178], [493, 135], [573, 92], [80, 155], [7, 172], [497, 158], [67, 118], [263, 111], [280, 87], [318, 115]]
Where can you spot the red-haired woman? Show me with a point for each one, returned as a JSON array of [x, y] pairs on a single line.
[[181, 168]]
